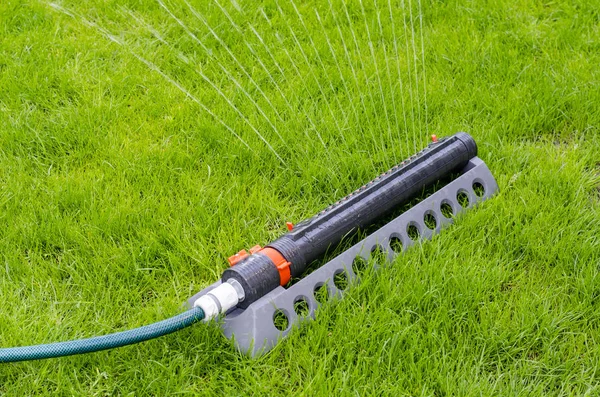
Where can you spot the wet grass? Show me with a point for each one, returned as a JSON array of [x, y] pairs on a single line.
[[121, 196]]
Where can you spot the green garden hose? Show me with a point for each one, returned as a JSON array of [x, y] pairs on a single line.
[[80, 346]]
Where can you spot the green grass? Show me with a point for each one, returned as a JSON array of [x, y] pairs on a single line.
[[120, 197]]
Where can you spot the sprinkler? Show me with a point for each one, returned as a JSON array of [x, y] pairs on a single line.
[[256, 287]]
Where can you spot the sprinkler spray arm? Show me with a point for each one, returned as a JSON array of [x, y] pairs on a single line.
[[252, 275]]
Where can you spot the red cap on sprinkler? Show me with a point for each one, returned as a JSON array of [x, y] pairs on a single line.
[[434, 138]]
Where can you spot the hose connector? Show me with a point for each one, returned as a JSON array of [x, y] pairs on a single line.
[[220, 299]]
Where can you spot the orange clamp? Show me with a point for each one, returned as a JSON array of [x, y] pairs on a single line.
[[282, 265]]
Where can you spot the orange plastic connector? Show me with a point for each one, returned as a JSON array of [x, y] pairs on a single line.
[[290, 226], [434, 138], [282, 265], [255, 249], [237, 257]]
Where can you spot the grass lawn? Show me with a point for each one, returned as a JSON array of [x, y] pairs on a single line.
[[142, 143]]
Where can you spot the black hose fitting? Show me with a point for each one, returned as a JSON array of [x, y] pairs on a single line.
[[257, 274]]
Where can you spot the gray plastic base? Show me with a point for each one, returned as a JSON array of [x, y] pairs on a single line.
[[253, 329]]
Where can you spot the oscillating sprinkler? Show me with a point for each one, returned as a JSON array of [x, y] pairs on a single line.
[[257, 284]]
